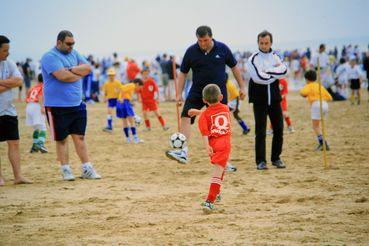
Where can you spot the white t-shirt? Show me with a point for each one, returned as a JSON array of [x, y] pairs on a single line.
[[8, 69], [354, 72], [341, 73]]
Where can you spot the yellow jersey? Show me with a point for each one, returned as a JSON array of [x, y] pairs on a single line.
[[111, 89], [232, 90], [311, 92], [126, 91]]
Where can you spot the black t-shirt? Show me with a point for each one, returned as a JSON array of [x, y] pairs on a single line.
[[208, 68]]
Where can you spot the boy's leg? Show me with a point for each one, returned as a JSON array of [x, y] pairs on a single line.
[[215, 183], [146, 119], [14, 158], [161, 119], [35, 136], [126, 129], [109, 118]]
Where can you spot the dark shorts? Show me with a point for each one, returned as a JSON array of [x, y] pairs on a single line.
[[196, 103], [64, 121], [8, 128], [125, 109], [112, 102], [354, 84]]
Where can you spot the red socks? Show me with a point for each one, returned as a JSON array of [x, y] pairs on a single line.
[[161, 120], [214, 189], [147, 124], [288, 121]]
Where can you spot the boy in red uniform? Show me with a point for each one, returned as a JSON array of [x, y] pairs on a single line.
[[215, 127], [283, 87], [149, 92], [35, 116]]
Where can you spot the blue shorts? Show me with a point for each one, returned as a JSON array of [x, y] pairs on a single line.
[[125, 109], [112, 102], [64, 121]]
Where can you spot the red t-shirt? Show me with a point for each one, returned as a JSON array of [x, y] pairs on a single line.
[[132, 70], [148, 90], [215, 122], [34, 93]]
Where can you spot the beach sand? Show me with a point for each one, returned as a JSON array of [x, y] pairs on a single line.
[[146, 199]]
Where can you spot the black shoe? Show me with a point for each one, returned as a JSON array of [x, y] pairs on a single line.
[[245, 132], [262, 166], [278, 164]]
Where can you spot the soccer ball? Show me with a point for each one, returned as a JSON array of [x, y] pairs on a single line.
[[178, 140], [138, 120]]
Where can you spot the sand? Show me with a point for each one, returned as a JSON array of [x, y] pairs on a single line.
[[146, 199]]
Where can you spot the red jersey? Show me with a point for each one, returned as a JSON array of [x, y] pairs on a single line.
[[215, 122], [148, 90], [35, 93], [132, 70], [283, 88]]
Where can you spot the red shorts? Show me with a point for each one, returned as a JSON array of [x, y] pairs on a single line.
[[284, 105], [222, 150], [149, 106]]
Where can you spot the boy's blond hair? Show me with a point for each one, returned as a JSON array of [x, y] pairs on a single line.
[[211, 93]]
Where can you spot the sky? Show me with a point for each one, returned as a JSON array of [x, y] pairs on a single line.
[[147, 27]]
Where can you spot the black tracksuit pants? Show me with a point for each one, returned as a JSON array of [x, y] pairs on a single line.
[[261, 111]]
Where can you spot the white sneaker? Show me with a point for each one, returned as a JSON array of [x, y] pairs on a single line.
[[89, 173], [137, 140], [290, 129], [67, 173], [177, 155]]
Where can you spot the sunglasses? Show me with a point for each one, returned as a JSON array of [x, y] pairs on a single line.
[[70, 44]]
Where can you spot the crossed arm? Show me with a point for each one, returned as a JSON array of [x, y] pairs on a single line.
[[9, 83], [74, 74]]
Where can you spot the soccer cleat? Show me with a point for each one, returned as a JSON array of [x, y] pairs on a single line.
[[231, 168], [261, 166], [128, 140], [108, 129], [43, 149], [278, 164], [90, 173], [290, 129], [207, 207], [147, 129], [67, 173], [269, 132], [165, 128], [177, 155], [245, 132], [137, 140], [35, 148]]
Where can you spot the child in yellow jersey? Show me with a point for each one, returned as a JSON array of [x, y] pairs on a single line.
[[126, 113], [111, 90], [234, 103], [311, 92]]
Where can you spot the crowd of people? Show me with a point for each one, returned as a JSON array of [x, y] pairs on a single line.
[[66, 80]]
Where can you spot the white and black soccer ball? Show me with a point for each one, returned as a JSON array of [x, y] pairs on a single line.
[[138, 120], [178, 140]]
